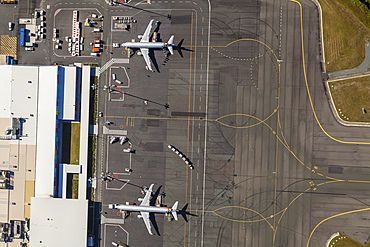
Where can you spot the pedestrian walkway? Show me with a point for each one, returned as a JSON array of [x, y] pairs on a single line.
[[8, 46], [363, 67], [111, 62]]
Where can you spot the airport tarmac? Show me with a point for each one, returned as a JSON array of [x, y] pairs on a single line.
[[270, 162], [264, 172]]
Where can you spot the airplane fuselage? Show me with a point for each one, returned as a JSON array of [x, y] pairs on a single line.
[[149, 45], [150, 209]]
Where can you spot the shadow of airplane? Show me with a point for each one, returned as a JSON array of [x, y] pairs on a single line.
[[151, 215], [184, 213], [179, 48]]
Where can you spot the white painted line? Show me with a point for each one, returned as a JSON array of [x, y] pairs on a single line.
[[200, 90], [197, 175], [200, 77], [201, 42], [201, 55], [197, 188], [206, 122], [200, 98], [202, 31]]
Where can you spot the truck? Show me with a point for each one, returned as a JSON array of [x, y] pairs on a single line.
[[120, 26], [22, 36], [95, 50]]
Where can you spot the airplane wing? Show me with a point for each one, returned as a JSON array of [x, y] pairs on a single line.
[[145, 52], [147, 222], [146, 201], [145, 37]]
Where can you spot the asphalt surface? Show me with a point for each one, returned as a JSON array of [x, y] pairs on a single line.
[[270, 168]]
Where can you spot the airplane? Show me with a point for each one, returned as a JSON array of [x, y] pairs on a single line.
[[144, 45], [145, 209]]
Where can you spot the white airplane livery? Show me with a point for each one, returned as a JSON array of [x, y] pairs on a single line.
[[144, 45], [145, 209]]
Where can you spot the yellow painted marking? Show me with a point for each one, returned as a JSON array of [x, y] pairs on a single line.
[[334, 216], [8, 46]]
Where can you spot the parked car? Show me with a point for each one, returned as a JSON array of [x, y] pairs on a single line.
[[10, 26]]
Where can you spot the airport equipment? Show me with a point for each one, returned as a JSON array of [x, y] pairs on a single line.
[[7, 1], [22, 36], [182, 156]]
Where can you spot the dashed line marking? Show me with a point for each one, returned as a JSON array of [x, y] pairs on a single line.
[[238, 59]]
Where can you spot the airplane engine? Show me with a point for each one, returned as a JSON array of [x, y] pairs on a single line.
[[139, 53], [140, 216], [140, 36], [140, 199]]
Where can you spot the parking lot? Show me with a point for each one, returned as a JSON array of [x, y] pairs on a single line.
[[89, 29]]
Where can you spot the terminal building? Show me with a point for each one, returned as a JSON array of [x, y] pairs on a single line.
[[35, 103]]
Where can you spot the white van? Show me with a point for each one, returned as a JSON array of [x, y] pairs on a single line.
[[81, 47], [114, 77]]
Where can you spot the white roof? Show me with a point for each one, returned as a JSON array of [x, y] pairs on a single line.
[[69, 93], [84, 130], [24, 100], [46, 127], [58, 222], [5, 92]]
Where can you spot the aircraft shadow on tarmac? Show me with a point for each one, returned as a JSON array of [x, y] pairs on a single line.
[[167, 55], [152, 215]]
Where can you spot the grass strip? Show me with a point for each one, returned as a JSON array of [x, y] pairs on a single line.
[[344, 34], [350, 96]]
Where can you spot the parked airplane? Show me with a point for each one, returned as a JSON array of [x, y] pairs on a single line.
[[144, 45], [145, 209]]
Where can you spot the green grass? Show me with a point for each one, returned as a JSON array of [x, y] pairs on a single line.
[[75, 186], [74, 155], [344, 34], [75, 143], [345, 242], [350, 96]]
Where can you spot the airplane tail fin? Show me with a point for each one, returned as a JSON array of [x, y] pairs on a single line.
[[174, 210], [170, 43]]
